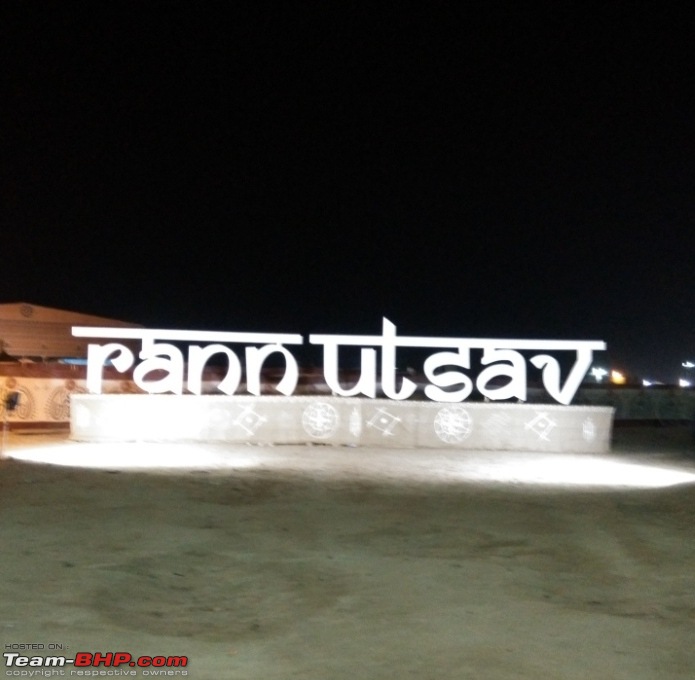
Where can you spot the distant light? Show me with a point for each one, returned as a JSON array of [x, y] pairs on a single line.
[[684, 383], [688, 364], [599, 373], [647, 383], [617, 378]]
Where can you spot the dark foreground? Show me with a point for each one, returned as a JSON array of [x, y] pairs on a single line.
[[264, 574]]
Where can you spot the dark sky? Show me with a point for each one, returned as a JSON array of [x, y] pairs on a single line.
[[520, 170]]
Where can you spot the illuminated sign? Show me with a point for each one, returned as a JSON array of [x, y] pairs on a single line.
[[446, 382]]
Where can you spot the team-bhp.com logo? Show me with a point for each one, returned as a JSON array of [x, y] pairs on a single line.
[[88, 663]]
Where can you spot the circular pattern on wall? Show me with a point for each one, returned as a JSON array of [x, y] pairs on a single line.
[[453, 424], [320, 420], [58, 403], [25, 405]]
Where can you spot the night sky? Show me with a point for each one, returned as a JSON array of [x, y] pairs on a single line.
[[517, 170]]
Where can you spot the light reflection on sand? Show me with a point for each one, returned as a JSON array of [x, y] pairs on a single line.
[[414, 465]]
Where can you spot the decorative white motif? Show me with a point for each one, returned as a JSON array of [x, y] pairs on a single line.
[[589, 430], [249, 420], [355, 423], [453, 424], [541, 425], [320, 420], [384, 421]]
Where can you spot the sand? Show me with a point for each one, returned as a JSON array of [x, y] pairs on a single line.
[[337, 563]]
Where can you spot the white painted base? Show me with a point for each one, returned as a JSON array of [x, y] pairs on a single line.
[[340, 421]]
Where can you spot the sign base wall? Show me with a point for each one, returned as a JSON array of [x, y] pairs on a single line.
[[270, 420]]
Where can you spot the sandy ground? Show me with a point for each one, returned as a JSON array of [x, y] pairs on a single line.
[[337, 563]]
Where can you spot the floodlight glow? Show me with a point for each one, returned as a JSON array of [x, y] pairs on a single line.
[[688, 364], [647, 383], [581, 471], [388, 466], [136, 456], [684, 383]]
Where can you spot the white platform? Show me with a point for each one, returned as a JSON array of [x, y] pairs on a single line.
[[340, 421]]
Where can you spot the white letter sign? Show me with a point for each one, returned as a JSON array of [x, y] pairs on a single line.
[[504, 363]]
